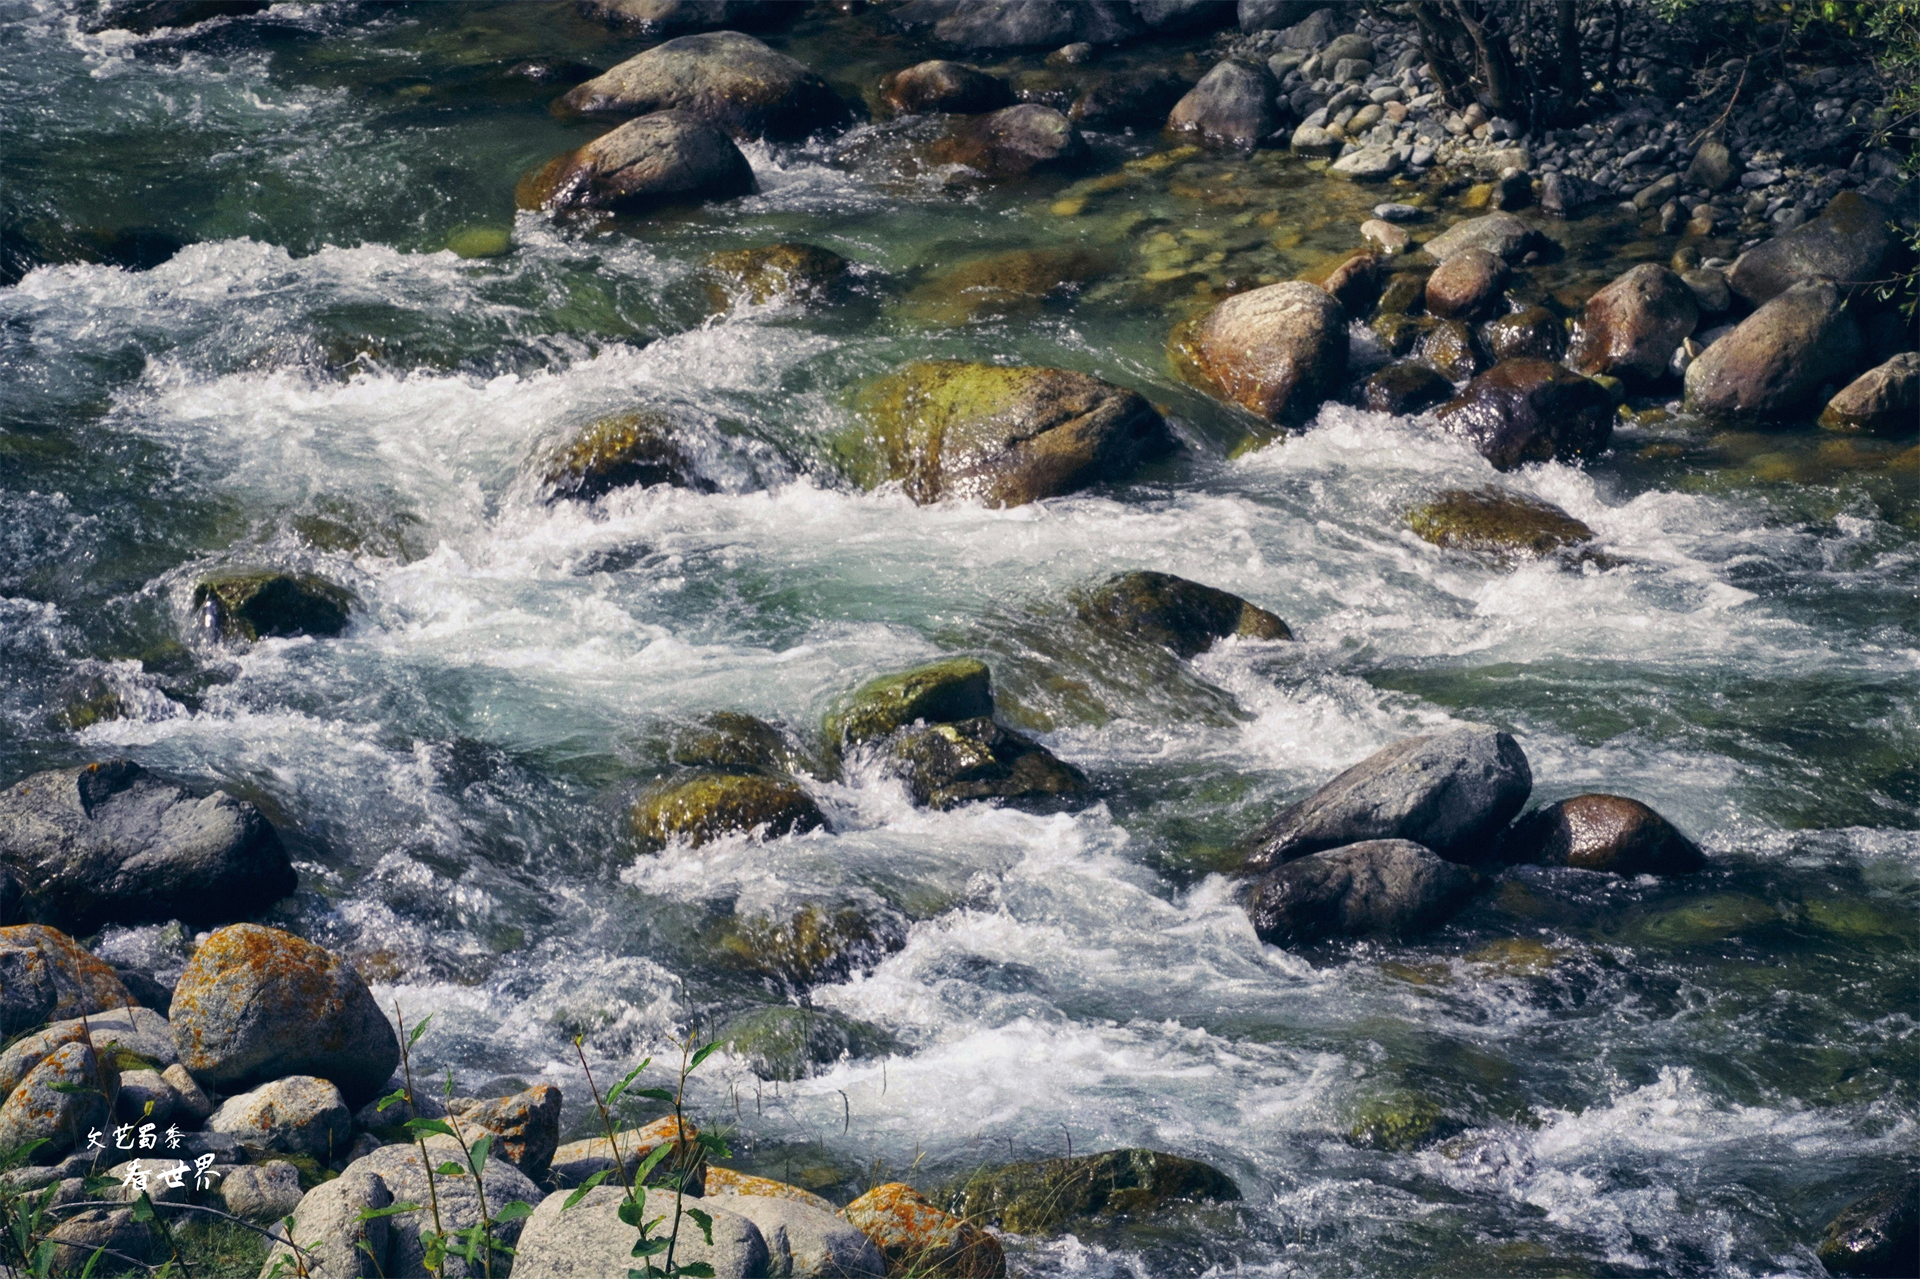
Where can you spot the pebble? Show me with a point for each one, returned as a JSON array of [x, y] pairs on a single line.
[[1390, 212], [1753, 179]]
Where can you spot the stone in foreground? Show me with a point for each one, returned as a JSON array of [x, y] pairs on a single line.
[[1492, 521], [724, 79], [1883, 400], [45, 974], [1877, 1235], [525, 1126], [937, 693], [1605, 833], [948, 764], [589, 1241], [1231, 106], [1033, 1198], [634, 449], [669, 157], [1631, 327], [1778, 358], [917, 1237], [1406, 387], [700, 807], [1184, 616], [1279, 351], [803, 1240], [1522, 411], [1452, 792], [1388, 887], [298, 1114]]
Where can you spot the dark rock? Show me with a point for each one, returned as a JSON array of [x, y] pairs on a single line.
[[940, 85], [937, 693], [780, 272], [1039, 1197], [1170, 16], [1710, 291], [1406, 387], [660, 17], [1534, 334], [1466, 285], [111, 843], [1231, 106], [669, 157], [78, 1236], [144, 17], [1564, 194], [1847, 244], [80, 983], [1501, 234], [1016, 282], [1779, 357], [1279, 351], [812, 946], [525, 1126], [1012, 142], [633, 449], [1384, 887], [787, 1043], [1452, 792], [1602, 832], [257, 1004], [996, 434], [1883, 400], [249, 606], [1354, 282], [1128, 99], [702, 806], [1400, 333], [729, 740], [1712, 167], [1304, 24], [722, 79], [1498, 523], [947, 764], [1451, 347], [1632, 327], [1877, 1235], [1531, 411], [1172, 611], [1403, 291], [1000, 24]]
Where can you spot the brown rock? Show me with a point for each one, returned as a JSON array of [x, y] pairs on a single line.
[[1354, 283], [1605, 833], [724, 79], [1279, 351], [525, 1126], [1531, 411], [1232, 106], [1466, 284], [701, 807], [1778, 358], [1631, 327], [1012, 142], [1390, 239], [666, 158], [1534, 333], [1450, 346], [1883, 400], [775, 272], [914, 1235], [940, 85], [1407, 387], [1184, 616]]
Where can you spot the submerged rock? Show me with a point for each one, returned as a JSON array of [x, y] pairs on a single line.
[[948, 764], [1406, 387], [144, 17], [257, 1004], [1497, 522], [1501, 234], [1602, 832], [112, 843], [788, 1043], [623, 450], [1231, 106], [1632, 327], [1523, 411], [1033, 1198], [780, 272], [250, 606], [1019, 282], [1778, 358], [669, 157], [1176, 613], [941, 692], [1128, 99], [1883, 400], [915, 1236], [591, 1238], [1385, 887], [1399, 1121], [1465, 284], [1012, 142], [724, 79], [1846, 244], [812, 945], [1877, 1235], [940, 85], [730, 740], [1003, 436], [1279, 351], [1452, 792], [700, 807]]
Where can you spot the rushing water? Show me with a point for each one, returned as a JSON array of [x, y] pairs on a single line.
[[1631, 1077]]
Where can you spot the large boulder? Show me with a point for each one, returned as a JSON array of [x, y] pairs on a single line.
[[1883, 400], [941, 692], [940, 85], [340, 1229], [1501, 234], [1632, 327], [1012, 142], [659, 17], [590, 1241], [779, 273], [256, 1004], [1496, 522], [1778, 358], [1033, 1198], [251, 605], [295, 1115], [1386, 887], [947, 764], [1232, 106], [525, 1126], [1176, 613], [724, 79], [1466, 284], [804, 1240], [669, 157], [1279, 351], [1001, 435], [112, 843], [1605, 833], [699, 807], [261, 1192], [1523, 411], [915, 1236], [46, 975], [1846, 244], [1877, 1235], [1000, 24], [61, 1098], [1452, 792], [638, 448]]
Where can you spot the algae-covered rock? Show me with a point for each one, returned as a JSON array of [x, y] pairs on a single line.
[[250, 605], [951, 763], [1172, 611], [941, 85], [632, 449], [810, 946], [779, 272], [1451, 347], [729, 740], [787, 1043], [1876, 1235], [916, 1237], [1279, 350], [1605, 833], [1399, 1121], [725, 79], [940, 692], [1496, 522], [1406, 387], [1019, 282], [1523, 411], [1033, 1198], [1012, 142], [996, 434], [665, 158], [700, 807]]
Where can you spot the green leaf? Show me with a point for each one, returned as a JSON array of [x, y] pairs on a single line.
[[393, 1098], [72, 1090], [705, 1223], [420, 1127], [696, 1270], [419, 1029], [451, 1169], [648, 1273], [632, 1212], [93, 1261], [585, 1186], [654, 1094], [516, 1211], [143, 1208], [652, 1161], [392, 1210], [478, 1155], [714, 1144], [649, 1247], [701, 1056], [627, 1083]]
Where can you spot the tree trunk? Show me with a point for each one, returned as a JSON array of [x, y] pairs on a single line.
[[1437, 34], [1566, 12]]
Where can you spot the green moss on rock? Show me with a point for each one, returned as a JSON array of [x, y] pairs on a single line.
[[619, 451], [700, 807], [939, 692], [813, 945], [791, 1043], [1492, 521], [775, 272], [1037, 1197], [1399, 1121], [252, 605], [729, 740], [1184, 616], [948, 764]]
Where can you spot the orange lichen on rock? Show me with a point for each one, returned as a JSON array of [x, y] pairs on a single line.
[[911, 1232]]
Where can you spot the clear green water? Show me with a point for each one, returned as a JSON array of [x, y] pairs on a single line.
[[1628, 1078]]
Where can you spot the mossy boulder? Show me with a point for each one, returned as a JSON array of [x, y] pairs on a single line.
[[777, 273], [1037, 1197], [939, 692], [948, 764], [792, 1043], [1532, 333], [1184, 616], [1605, 833], [633, 449], [1493, 521], [1398, 1121], [729, 740], [1876, 1235], [1000, 435], [814, 944], [700, 807], [253, 605], [725, 79], [1019, 282], [662, 159]]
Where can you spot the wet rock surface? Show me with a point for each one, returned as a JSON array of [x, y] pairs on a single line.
[[1496, 522], [1605, 833], [1012, 143], [1231, 106], [1525, 410], [940, 85], [256, 605], [1388, 887], [726, 80], [1035, 1198], [947, 764], [1876, 1235], [1406, 387], [1777, 359], [1884, 400], [640, 448], [781, 272], [697, 808], [1184, 616], [1278, 351], [668, 157], [1631, 327]]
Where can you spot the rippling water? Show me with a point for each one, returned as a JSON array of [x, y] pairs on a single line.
[[1655, 1078]]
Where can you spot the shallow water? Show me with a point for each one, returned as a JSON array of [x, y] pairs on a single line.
[[1625, 1077]]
